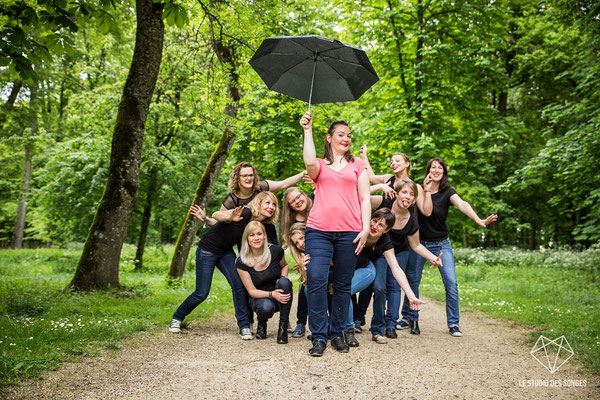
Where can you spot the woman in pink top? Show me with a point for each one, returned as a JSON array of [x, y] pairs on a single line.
[[336, 230]]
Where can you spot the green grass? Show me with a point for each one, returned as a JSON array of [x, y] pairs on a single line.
[[553, 293], [42, 325]]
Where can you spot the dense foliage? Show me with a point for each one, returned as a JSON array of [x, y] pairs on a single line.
[[506, 92]]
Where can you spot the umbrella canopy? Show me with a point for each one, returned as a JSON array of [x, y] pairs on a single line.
[[291, 64]]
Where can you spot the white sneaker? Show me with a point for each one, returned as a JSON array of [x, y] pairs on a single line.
[[246, 334], [175, 326]]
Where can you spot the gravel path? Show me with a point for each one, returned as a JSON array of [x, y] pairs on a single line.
[[210, 361]]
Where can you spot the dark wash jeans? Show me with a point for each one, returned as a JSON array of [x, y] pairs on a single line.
[[265, 308], [205, 266], [324, 247]]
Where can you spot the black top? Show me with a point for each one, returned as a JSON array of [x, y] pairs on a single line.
[[433, 228], [232, 201], [222, 236], [399, 236], [374, 251], [267, 278]]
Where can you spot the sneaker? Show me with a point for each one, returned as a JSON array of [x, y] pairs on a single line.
[[357, 327], [298, 331], [175, 326], [402, 324], [454, 331], [379, 339], [246, 334]]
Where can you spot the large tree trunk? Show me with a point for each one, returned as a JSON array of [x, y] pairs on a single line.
[[19, 233], [98, 267], [226, 54], [139, 254]]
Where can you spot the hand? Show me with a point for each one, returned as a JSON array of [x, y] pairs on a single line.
[[307, 179], [198, 212], [415, 304], [488, 220], [360, 239], [363, 151], [236, 214], [306, 121], [427, 182], [388, 191], [437, 262], [278, 295], [305, 261]]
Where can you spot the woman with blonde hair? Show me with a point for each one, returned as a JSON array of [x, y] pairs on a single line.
[[296, 246], [263, 271], [296, 206], [215, 249]]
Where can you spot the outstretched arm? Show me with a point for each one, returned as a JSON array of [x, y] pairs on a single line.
[[466, 209], [308, 151], [415, 244], [200, 213], [229, 215], [373, 179], [400, 277], [276, 186]]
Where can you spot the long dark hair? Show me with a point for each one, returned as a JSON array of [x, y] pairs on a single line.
[[327, 153], [444, 182]]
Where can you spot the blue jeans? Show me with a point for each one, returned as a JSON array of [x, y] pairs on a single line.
[[414, 273], [361, 280], [266, 307], [379, 295], [205, 266], [448, 272], [394, 294], [324, 247]]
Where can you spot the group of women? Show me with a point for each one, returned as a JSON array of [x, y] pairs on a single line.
[[340, 247]]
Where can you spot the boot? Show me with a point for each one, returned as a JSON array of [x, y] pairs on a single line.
[[282, 333], [350, 338], [261, 330]]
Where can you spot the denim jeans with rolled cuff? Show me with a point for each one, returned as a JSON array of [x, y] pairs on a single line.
[[379, 295], [205, 266], [414, 273], [362, 278], [394, 293], [323, 248]]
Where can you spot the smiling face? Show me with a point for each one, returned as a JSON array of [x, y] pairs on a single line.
[[298, 240], [267, 207], [246, 179], [297, 201], [437, 171], [405, 197], [340, 139], [378, 228], [398, 163], [256, 238]]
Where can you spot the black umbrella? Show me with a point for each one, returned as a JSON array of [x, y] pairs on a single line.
[[292, 64]]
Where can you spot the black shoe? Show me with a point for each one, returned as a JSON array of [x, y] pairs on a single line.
[[318, 348], [309, 337], [391, 333], [414, 327], [261, 330], [339, 344], [350, 339], [282, 333], [454, 331], [402, 324]]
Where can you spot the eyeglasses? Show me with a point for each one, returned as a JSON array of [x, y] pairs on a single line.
[[296, 199], [247, 176]]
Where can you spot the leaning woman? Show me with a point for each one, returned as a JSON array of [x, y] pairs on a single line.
[[434, 234], [336, 229], [215, 249], [263, 271]]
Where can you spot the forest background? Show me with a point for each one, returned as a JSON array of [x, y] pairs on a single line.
[[506, 92]]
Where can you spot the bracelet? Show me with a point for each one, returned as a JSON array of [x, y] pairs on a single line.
[[270, 295], [426, 191]]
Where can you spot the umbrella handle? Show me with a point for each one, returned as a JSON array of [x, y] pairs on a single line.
[[312, 81]]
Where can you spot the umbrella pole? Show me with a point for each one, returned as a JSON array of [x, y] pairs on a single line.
[[312, 82]]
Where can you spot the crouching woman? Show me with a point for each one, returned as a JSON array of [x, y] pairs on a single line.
[[263, 270]]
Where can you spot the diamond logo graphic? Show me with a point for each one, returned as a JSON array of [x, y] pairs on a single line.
[[552, 354]]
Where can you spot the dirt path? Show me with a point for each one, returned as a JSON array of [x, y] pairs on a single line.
[[209, 361]]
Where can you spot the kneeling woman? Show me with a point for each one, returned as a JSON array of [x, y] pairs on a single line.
[[263, 270]]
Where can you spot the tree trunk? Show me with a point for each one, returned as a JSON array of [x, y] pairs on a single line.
[[465, 237], [19, 233], [98, 266], [139, 254], [226, 54]]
